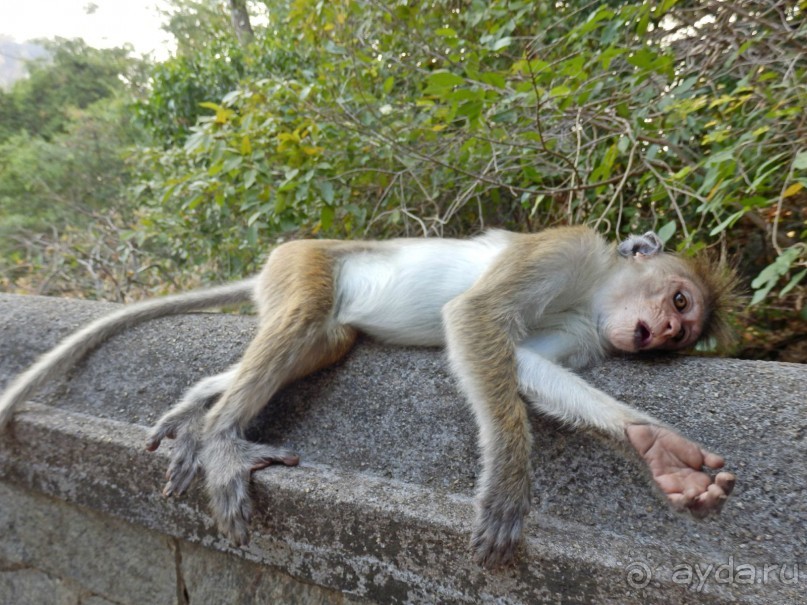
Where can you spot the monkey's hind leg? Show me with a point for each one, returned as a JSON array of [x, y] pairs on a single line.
[[286, 348], [184, 423]]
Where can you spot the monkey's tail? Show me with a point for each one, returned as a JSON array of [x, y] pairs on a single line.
[[72, 349]]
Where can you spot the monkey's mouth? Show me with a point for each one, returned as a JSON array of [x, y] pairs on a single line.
[[642, 335]]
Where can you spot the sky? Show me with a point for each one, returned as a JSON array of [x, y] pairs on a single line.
[[113, 23]]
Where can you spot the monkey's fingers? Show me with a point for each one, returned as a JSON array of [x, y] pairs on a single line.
[[498, 528], [726, 482], [682, 501], [710, 501], [712, 460], [495, 546]]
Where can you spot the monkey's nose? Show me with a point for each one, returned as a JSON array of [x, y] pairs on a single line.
[[672, 329]]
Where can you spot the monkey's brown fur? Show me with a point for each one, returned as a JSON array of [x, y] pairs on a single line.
[[720, 285]]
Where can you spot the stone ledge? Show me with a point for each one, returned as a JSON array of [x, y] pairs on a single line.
[[381, 507]]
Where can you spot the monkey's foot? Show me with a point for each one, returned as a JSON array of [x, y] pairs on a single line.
[[157, 434], [229, 461], [676, 464], [177, 422], [498, 528], [184, 465]]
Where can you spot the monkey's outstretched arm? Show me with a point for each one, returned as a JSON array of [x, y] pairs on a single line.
[[675, 463], [563, 395], [72, 349]]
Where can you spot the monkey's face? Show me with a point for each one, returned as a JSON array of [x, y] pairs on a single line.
[[652, 306]]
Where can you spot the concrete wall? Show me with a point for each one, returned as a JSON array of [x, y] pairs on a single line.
[[380, 509]]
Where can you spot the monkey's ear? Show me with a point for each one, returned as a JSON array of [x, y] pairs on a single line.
[[648, 244]]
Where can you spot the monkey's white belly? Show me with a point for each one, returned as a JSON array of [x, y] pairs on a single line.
[[396, 292]]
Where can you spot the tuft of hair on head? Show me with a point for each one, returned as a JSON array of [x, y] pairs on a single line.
[[720, 287]]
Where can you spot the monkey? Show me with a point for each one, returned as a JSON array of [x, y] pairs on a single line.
[[517, 314]]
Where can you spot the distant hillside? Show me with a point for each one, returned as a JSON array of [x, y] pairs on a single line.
[[13, 56]]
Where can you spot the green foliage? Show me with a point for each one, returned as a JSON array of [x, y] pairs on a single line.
[[194, 24], [65, 135], [181, 83], [73, 76], [367, 119], [364, 118], [101, 259], [208, 64], [83, 169]]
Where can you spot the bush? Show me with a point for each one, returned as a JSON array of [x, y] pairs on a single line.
[[363, 119]]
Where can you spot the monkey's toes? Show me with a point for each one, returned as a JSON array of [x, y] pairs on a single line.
[[233, 520], [152, 443], [183, 468], [236, 531], [491, 550], [179, 483], [496, 538], [157, 435], [260, 456]]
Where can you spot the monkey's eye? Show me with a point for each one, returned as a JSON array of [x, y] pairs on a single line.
[[680, 336], [680, 301]]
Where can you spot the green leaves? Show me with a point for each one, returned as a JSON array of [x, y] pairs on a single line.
[[666, 232], [649, 60], [379, 119], [441, 82], [771, 274], [326, 190], [222, 114]]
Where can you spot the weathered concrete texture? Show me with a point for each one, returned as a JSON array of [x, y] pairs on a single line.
[[52, 553], [30, 586], [98, 553], [381, 507]]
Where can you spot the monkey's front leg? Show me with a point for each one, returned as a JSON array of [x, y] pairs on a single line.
[[482, 356], [505, 489], [676, 463]]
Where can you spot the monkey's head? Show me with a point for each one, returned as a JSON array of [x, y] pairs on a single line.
[[660, 301]]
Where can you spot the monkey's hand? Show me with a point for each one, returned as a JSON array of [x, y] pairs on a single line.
[[676, 464], [502, 510]]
